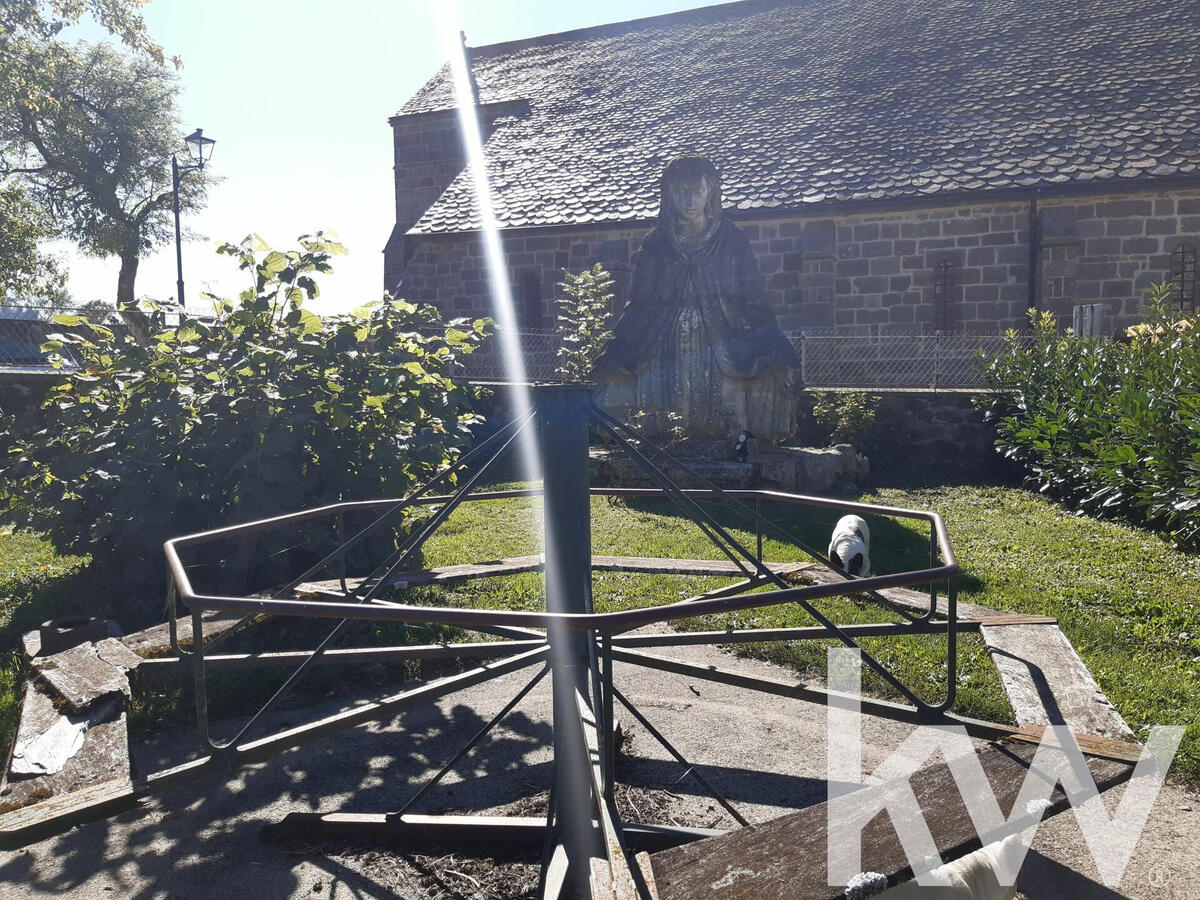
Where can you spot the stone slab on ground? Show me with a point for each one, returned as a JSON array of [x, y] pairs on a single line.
[[813, 470], [156, 640], [72, 732], [101, 755], [31, 641], [614, 467], [90, 672], [1048, 684]]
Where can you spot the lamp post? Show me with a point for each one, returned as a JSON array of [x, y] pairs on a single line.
[[199, 149]]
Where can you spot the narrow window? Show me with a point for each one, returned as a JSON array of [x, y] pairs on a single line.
[[529, 312], [945, 310], [1183, 275]]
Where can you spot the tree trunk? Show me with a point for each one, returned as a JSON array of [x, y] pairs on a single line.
[[135, 320]]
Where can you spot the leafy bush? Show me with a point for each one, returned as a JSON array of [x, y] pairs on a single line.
[[583, 321], [261, 409], [849, 417], [1112, 428]]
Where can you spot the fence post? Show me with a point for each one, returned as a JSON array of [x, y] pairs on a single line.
[[803, 361], [937, 357]]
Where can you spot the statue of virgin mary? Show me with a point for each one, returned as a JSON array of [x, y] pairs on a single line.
[[696, 337]]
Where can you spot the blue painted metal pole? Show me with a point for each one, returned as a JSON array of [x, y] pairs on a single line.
[[563, 420], [563, 412]]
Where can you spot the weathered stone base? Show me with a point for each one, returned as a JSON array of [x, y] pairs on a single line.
[[805, 470], [814, 470]]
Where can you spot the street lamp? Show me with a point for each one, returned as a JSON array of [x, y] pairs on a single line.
[[200, 150]]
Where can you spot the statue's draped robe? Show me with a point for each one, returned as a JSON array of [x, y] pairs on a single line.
[[697, 340]]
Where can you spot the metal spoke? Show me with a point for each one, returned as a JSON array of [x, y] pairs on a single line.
[[475, 739], [667, 745], [761, 520]]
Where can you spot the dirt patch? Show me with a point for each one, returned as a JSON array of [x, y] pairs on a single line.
[[453, 876]]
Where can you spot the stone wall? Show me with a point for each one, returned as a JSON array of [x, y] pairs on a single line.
[[427, 154], [871, 272], [451, 272], [930, 431], [875, 271], [1111, 249]]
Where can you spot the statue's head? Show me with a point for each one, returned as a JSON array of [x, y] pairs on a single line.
[[691, 194]]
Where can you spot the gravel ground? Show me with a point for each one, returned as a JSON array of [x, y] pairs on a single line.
[[767, 755]]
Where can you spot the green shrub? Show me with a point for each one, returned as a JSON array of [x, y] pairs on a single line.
[[261, 409], [849, 417], [582, 323], [1111, 427]]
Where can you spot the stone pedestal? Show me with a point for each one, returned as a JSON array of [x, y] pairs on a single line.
[[801, 470], [813, 470]]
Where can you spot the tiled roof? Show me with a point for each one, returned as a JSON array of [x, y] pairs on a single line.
[[802, 103]]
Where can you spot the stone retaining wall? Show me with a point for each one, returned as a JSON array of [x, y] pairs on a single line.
[[939, 431]]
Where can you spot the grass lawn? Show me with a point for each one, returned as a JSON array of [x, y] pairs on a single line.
[[1124, 598]]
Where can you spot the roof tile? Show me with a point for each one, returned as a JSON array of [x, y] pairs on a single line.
[[801, 102]]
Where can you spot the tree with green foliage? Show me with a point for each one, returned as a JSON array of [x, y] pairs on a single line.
[[27, 273], [29, 58], [263, 408], [582, 325], [98, 156], [44, 19]]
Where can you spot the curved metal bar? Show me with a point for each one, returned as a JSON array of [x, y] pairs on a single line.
[[601, 622], [944, 548]]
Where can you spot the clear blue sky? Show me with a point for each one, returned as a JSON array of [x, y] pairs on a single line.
[[297, 94]]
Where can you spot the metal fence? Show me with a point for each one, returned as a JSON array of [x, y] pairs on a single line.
[[538, 349], [23, 330], [912, 361], [828, 360]]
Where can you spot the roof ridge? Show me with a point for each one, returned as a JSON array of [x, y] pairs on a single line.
[[612, 29]]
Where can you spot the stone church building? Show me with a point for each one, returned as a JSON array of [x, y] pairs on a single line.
[[898, 167]]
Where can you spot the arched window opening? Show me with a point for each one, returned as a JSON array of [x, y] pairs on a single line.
[[945, 306], [1183, 276], [529, 305]]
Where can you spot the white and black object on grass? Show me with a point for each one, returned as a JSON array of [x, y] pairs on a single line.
[[850, 546]]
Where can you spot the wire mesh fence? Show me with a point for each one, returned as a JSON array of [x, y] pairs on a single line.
[[23, 331], [539, 351], [912, 361], [828, 360]]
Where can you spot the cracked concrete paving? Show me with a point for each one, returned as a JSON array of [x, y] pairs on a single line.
[[767, 754]]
